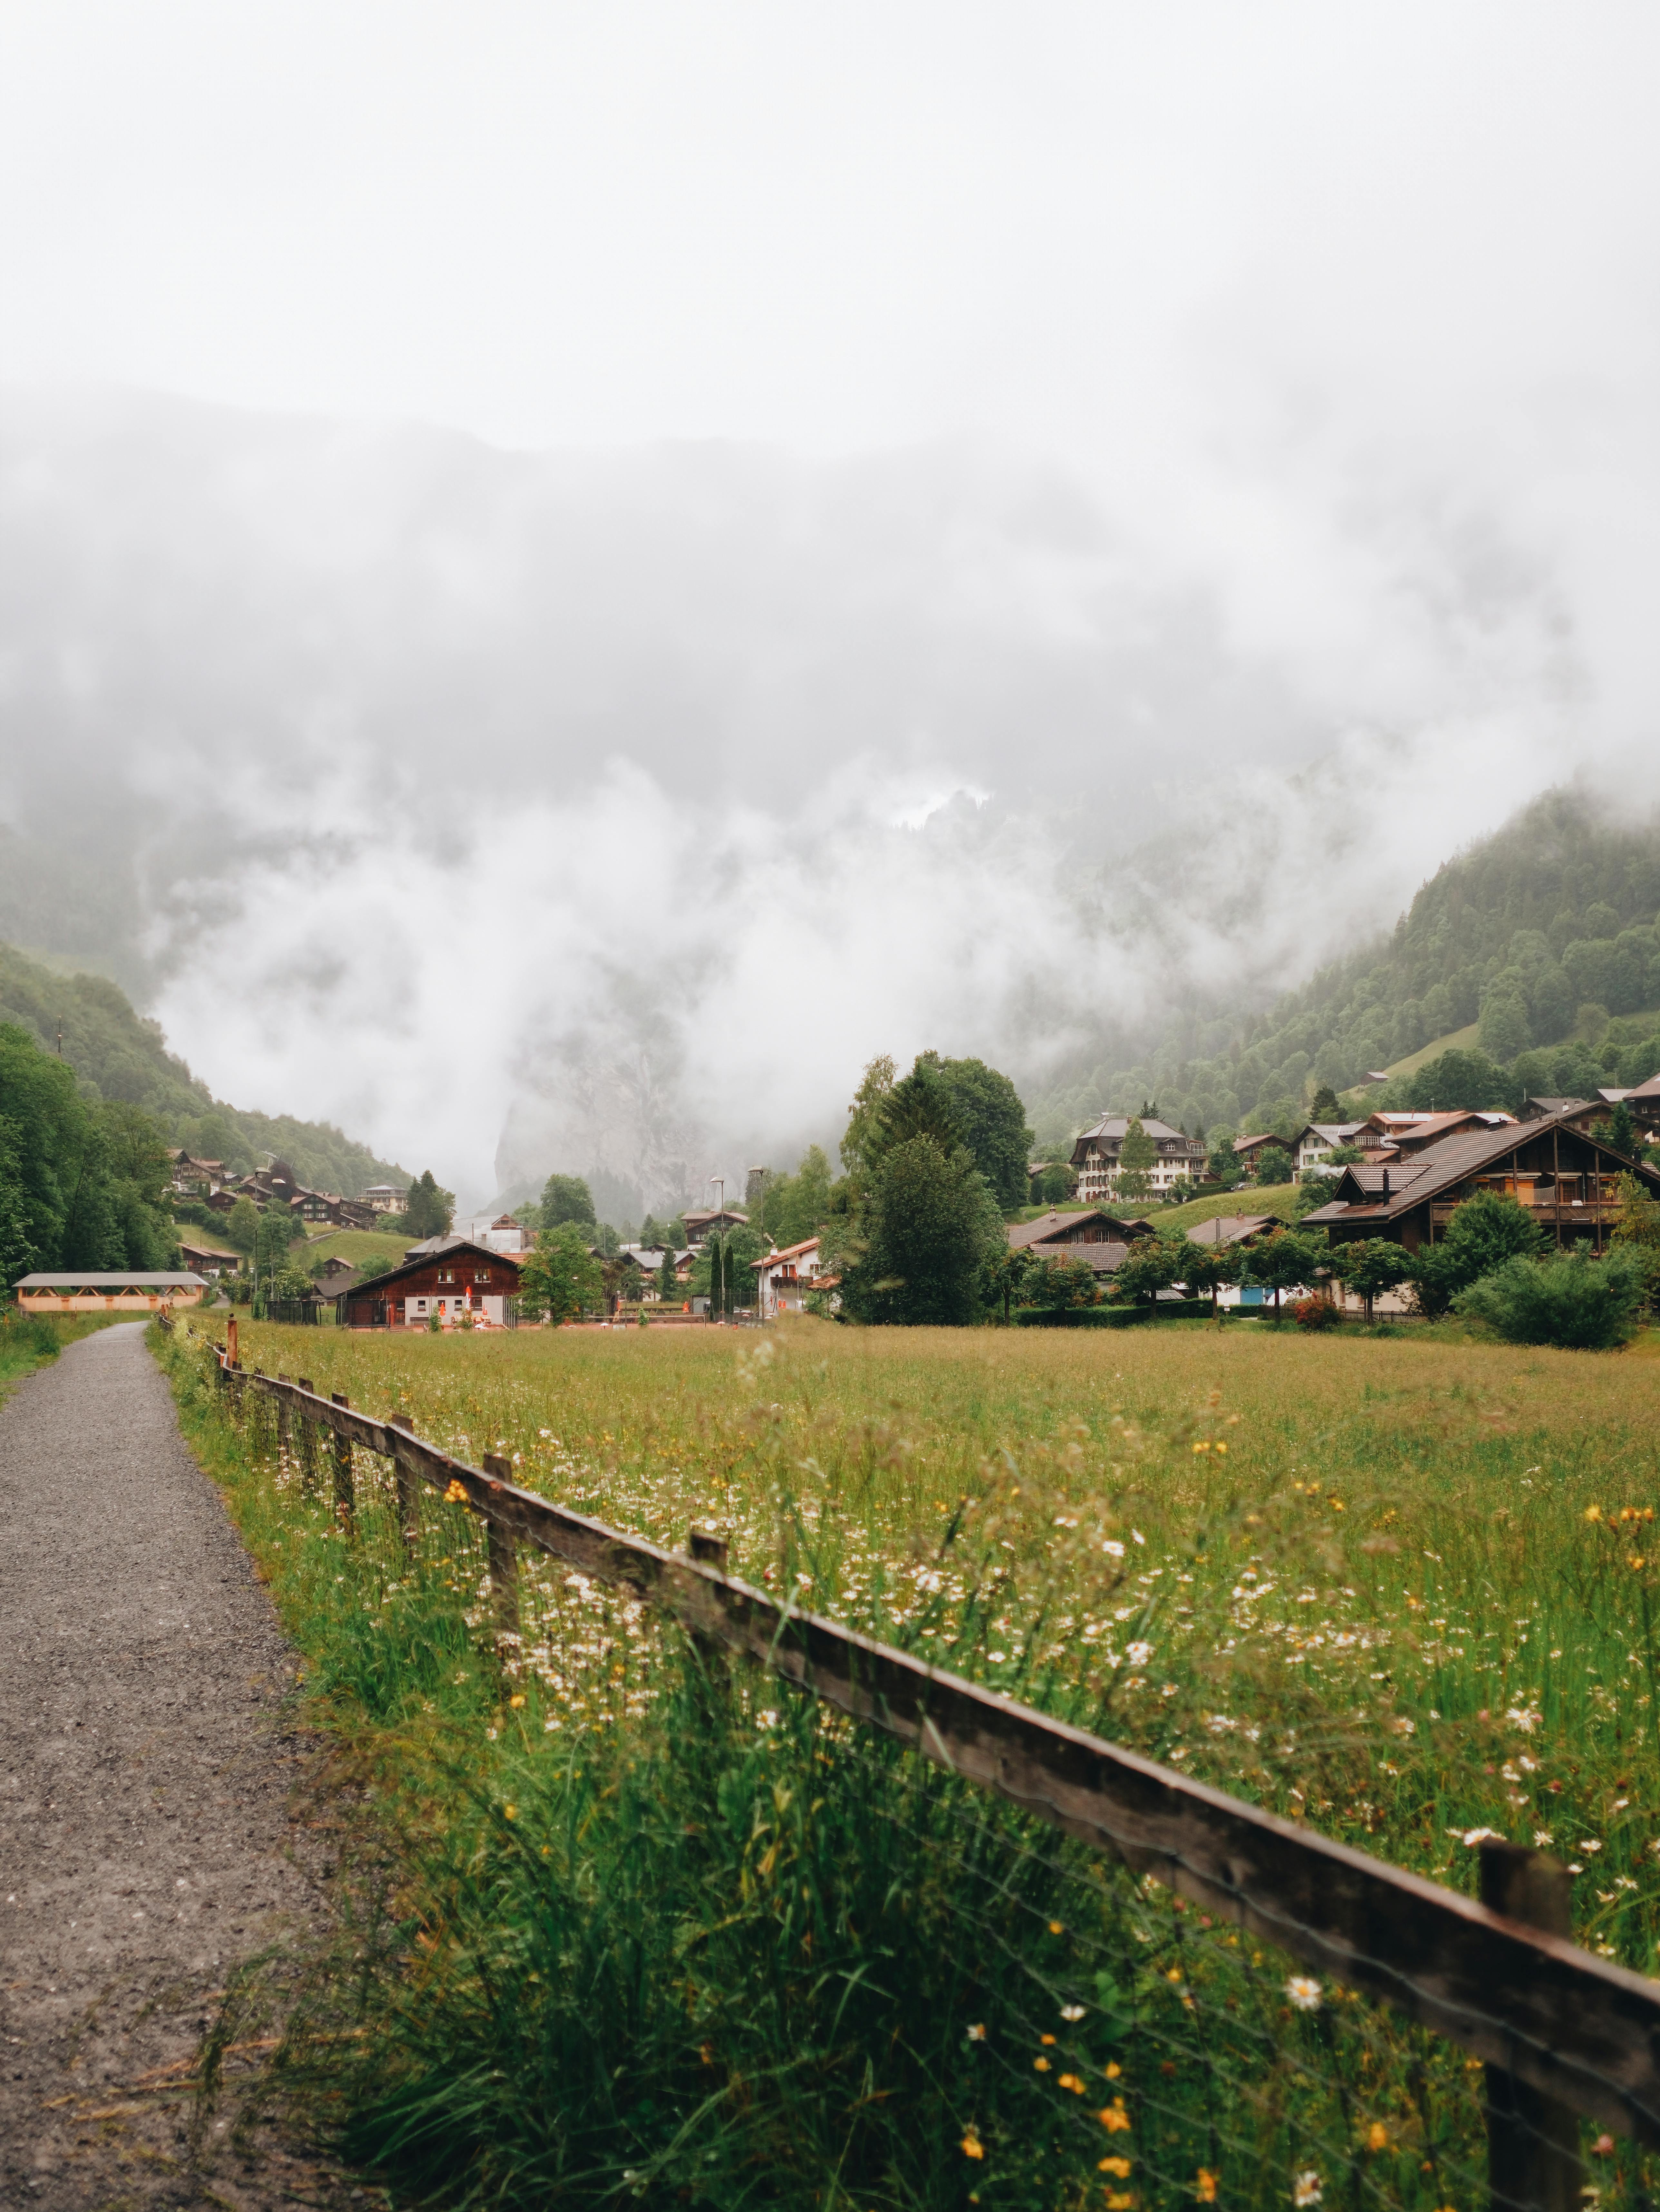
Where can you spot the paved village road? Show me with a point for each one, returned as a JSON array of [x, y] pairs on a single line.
[[145, 1839]]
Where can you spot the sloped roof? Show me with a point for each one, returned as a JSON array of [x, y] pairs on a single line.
[[1381, 1190], [96, 1282], [1330, 1133], [788, 1252], [1024, 1234], [1115, 1125], [1232, 1227], [1100, 1259], [424, 1254]]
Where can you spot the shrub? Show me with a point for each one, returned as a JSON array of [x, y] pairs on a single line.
[[1575, 1302], [1316, 1314], [1484, 1232]]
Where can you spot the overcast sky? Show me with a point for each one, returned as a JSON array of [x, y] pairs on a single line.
[[1335, 323]]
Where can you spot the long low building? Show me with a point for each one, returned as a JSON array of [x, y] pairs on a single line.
[[99, 1293]]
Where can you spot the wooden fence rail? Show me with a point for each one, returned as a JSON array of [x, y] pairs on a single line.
[[1554, 2024]]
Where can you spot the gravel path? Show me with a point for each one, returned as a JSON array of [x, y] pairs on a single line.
[[145, 1839]]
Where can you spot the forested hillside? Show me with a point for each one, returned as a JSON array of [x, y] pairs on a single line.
[[1540, 934], [117, 1056]]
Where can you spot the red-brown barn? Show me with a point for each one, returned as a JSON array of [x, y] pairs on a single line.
[[458, 1277]]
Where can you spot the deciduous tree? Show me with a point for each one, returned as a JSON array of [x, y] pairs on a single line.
[[561, 1279]]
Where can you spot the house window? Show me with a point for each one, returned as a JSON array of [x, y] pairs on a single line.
[[446, 1274], [482, 1275]]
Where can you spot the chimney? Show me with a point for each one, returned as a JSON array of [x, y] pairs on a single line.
[[1386, 1185]]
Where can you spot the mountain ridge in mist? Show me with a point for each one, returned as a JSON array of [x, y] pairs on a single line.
[[1554, 911], [117, 1054]]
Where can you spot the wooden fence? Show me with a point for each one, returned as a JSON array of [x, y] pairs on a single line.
[[1561, 2030]]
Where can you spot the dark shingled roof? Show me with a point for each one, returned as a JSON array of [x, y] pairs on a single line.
[[1360, 1190]]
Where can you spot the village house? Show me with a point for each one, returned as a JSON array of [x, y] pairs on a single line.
[[1315, 1142], [1642, 1104], [386, 1197], [786, 1279], [702, 1222], [1096, 1156], [1390, 1136], [1232, 1231], [1566, 1178], [643, 1267], [89, 1293], [1249, 1150], [206, 1260], [447, 1278], [193, 1178], [1100, 1239]]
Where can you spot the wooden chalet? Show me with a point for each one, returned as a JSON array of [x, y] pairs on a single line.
[[448, 1279], [1056, 1229], [208, 1260], [1566, 1177], [704, 1221]]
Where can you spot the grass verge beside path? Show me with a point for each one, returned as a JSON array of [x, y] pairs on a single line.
[[633, 1925], [32, 1341]]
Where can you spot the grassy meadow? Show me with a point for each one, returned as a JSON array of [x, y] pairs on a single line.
[[1401, 1587]]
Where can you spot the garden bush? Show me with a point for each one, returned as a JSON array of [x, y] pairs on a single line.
[[1577, 1302]]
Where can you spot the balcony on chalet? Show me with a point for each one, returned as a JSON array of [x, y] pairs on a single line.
[[1584, 1202]]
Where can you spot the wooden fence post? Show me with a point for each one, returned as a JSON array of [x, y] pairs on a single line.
[[345, 1496], [1533, 2141], [407, 1485], [307, 1444], [711, 1550], [504, 1563], [230, 1352]]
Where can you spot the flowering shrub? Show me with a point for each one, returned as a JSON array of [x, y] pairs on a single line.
[[1316, 1314]]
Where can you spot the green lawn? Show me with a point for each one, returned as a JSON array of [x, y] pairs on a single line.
[[355, 1245], [1279, 1198]]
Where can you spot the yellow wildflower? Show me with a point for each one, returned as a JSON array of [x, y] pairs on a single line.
[[972, 2145], [1113, 2118], [1071, 2081], [456, 1494], [1120, 2166], [1376, 2137], [1204, 2186]]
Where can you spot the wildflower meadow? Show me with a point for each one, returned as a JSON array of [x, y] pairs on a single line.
[[624, 1919]]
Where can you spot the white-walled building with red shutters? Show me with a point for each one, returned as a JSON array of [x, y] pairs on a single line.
[[784, 1279]]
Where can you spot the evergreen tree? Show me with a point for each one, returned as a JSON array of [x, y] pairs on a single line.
[[929, 1234], [429, 1209], [668, 1289], [1137, 1154]]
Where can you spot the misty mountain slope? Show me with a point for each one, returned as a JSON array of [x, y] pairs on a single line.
[[610, 810], [118, 1054], [1554, 911]]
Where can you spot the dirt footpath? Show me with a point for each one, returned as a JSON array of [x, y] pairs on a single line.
[[145, 1841]]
